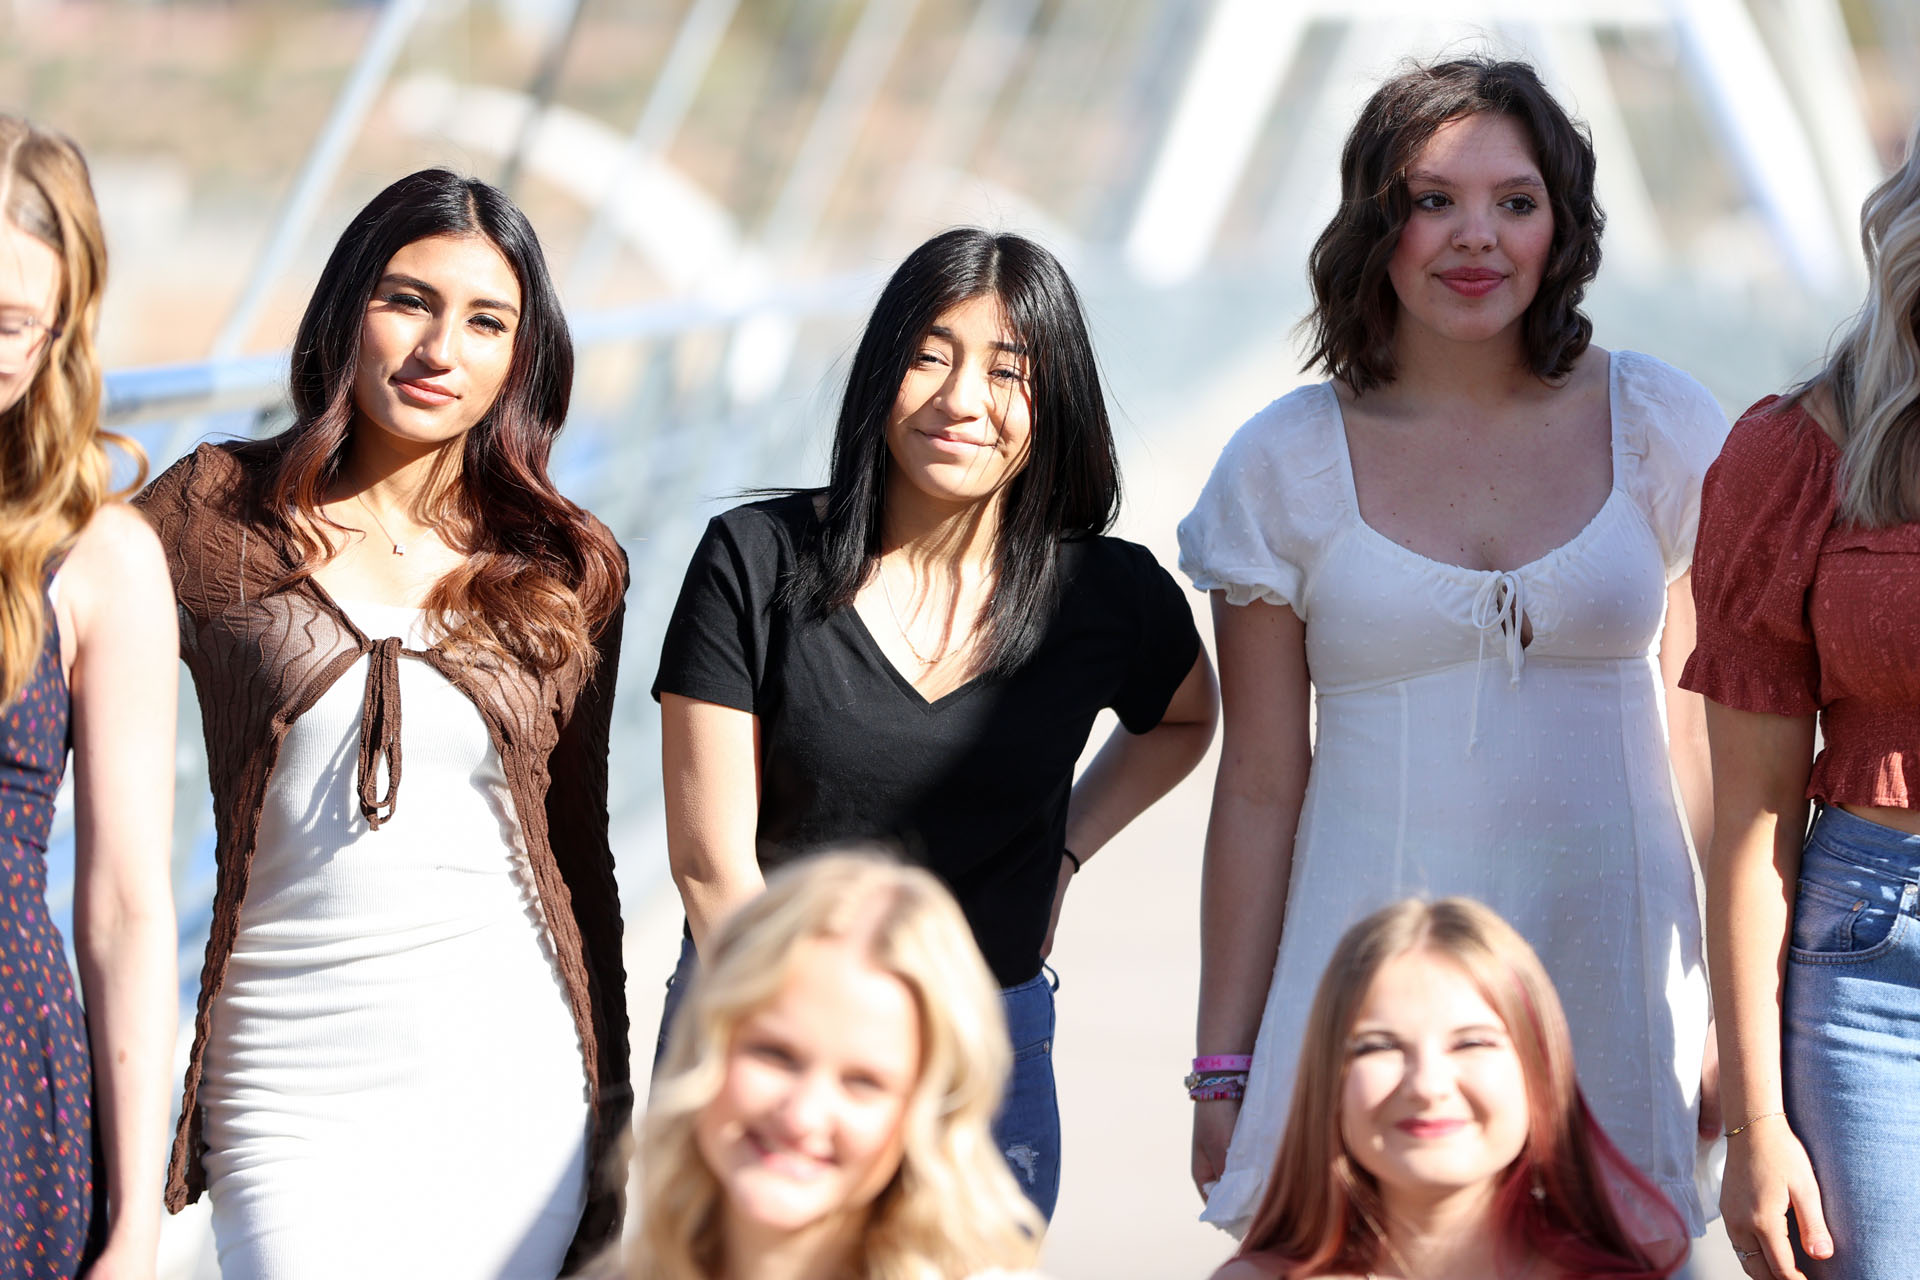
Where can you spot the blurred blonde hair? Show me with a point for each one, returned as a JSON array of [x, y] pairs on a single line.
[[1873, 373], [1322, 1212], [54, 470], [952, 1208]]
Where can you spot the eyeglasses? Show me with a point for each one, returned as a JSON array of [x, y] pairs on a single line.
[[18, 333]]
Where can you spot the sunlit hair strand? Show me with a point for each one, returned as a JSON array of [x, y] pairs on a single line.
[[1872, 377], [54, 468]]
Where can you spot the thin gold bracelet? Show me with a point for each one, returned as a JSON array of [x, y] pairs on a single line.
[[1756, 1120]]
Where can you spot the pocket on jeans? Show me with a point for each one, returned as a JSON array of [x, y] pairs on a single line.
[[1038, 1048], [1831, 924]]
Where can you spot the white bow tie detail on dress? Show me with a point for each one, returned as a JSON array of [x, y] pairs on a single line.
[[1498, 610]]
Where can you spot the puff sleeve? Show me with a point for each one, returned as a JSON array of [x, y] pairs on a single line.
[[1765, 509], [1259, 524], [1673, 430]]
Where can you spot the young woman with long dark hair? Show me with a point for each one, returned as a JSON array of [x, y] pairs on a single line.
[[87, 662], [1437, 1130], [411, 1048], [1471, 543], [915, 654], [1809, 594]]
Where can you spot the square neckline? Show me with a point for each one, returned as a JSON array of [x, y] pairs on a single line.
[[1564, 549]]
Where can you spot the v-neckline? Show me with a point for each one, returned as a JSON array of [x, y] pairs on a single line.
[[900, 681], [1614, 488]]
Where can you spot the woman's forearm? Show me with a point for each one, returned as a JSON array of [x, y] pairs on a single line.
[[1243, 900], [1749, 907], [129, 974], [709, 759], [1760, 767], [1133, 770], [711, 889]]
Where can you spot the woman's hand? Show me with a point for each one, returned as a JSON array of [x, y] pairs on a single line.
[[1768, 1173], [121, 1260], [1212, 1130]]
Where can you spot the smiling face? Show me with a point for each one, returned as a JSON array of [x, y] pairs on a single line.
[[807, 1127], [437, 340], [1475, 246], [1435, 1098], [962, 423], [29, 300]]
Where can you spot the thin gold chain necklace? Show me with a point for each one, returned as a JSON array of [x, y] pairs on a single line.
[[400, 548], [886, 593]]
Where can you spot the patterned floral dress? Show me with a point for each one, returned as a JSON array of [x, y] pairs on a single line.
[[50, 1217]]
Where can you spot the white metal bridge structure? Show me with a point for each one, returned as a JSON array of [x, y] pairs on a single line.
[[1222, 122]]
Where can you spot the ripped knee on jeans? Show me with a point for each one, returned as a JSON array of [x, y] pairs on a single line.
[[1024, 1158]]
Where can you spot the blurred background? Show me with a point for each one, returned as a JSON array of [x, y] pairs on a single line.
[[722, 185]]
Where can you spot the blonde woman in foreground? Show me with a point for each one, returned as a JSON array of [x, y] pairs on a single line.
[[1437, 1131], [87, 662], [824, 1106]]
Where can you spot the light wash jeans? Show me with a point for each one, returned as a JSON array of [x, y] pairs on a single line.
[[1850, 1042], [1028, 1126]]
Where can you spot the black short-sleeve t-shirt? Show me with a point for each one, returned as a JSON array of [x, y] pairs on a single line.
[[974, 785]]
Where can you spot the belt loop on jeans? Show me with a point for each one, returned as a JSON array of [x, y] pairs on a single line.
[[1051, 974]]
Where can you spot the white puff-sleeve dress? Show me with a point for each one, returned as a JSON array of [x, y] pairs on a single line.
[[1451, 759]]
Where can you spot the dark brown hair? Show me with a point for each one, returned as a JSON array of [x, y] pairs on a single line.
[[541, 575], [1354, 306]]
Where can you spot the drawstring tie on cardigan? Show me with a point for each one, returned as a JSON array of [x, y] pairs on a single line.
[[1498, 609], [380, 732]]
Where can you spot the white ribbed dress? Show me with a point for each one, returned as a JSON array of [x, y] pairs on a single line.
[[394, 1085], [1451, 759]]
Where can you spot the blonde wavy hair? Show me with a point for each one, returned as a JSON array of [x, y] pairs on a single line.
[[952, 1209], [1872, 376], [54, 469]]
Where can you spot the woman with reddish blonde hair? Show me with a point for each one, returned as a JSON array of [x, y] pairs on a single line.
[[87, 666], [1437, 1129]]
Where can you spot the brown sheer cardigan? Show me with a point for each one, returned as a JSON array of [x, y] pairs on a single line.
[[261, 655]]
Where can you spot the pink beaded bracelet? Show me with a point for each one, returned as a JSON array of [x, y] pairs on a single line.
[[1224, 1062], [1219, 1092]]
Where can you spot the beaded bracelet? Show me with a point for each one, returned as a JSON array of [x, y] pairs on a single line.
[[1241, 1062], [1210, 1085], [1221, 1091]]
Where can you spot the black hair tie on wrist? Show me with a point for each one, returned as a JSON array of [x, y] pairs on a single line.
[[1068, 855]]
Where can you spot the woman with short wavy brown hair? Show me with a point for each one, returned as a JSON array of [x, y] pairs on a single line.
[[1472, 541]]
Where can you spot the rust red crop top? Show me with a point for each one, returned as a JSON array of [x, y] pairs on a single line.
[[1800, 615]]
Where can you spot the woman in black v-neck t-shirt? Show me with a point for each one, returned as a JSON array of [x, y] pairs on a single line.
[[914, 656]]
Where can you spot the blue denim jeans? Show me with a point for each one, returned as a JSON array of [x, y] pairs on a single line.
[[1028, 1126], [1850, 1041]]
